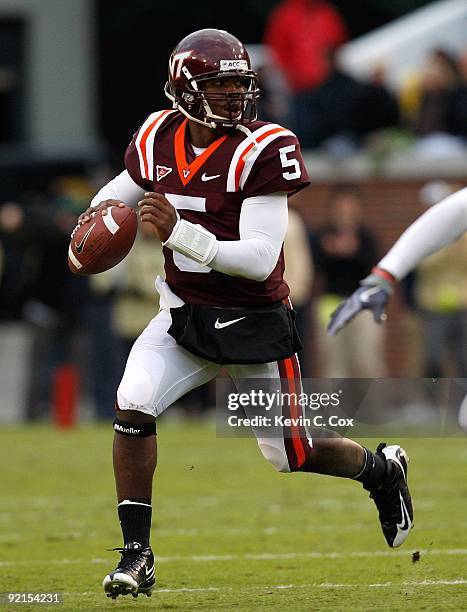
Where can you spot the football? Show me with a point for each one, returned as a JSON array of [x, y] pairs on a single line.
[[103, 241]]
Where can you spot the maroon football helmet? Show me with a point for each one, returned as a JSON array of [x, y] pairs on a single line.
[[212, 55]]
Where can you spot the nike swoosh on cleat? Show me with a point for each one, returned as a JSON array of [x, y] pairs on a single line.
[[404, 525], [79, 247], [205, 177], [150, 572], [219, 325]]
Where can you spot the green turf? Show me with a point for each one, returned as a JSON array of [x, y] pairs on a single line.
[[227, 527]]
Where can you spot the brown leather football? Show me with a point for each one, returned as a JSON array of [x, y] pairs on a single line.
[[103, 241]]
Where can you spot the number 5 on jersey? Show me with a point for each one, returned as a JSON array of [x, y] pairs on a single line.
[[290, 163]]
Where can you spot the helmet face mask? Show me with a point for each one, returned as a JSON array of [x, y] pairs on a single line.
[[211, 81]]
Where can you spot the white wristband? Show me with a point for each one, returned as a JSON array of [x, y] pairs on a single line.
[[192, 240]]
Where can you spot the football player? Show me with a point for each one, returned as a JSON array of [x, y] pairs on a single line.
[[439, 226], [213, 182]]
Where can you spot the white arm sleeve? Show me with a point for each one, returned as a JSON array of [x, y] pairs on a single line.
[[122, 188], [263, 223], [439, 226]]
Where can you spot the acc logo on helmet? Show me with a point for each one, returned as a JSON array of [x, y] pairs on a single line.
[[234, 65]]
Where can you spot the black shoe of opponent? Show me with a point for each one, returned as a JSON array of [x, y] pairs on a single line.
[[134, 574]]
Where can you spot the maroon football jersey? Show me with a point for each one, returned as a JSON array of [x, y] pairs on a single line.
[[209, 189]]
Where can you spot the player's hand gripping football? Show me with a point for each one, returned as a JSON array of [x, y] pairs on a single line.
[[374, 294], [155, 209]]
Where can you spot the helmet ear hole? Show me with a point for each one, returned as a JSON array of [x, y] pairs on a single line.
[[188, 97]]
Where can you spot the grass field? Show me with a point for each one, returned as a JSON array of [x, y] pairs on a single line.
[[229, 532]]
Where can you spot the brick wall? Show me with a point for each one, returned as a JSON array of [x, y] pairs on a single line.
[[390, 206]]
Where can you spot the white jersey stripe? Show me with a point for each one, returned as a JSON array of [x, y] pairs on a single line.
[[146, 150], [142, 130], [241, 149], [254, 154], [150, 144]]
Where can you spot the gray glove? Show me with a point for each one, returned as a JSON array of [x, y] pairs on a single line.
[[374, 293]]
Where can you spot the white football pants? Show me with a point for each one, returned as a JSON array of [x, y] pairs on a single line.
[[158, 372]]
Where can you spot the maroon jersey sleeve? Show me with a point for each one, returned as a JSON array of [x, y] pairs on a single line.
[[279, 167]]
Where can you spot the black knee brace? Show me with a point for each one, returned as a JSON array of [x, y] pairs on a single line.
[[136, 430]]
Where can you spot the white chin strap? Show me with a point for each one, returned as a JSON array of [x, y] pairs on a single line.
[[210, 124], [176, 105]]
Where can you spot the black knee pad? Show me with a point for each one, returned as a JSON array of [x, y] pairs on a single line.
[[135, 430]]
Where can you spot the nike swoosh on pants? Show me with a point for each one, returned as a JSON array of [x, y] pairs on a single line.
[[219, 325]]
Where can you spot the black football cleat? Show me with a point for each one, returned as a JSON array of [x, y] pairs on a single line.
[[134, 574], [392, 497]]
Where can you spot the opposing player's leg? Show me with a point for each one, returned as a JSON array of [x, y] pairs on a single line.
[[158, 372], [383, 473]]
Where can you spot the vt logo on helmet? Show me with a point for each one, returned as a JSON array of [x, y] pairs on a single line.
[[211, 81]]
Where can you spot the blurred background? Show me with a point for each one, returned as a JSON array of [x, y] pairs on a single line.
[[376, 90]]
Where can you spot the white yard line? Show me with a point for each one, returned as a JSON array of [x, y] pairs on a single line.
[[319, 585], [324, 585], [306, 555], [462, 552]]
